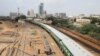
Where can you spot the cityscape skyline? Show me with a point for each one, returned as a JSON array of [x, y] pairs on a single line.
[[70, 7]]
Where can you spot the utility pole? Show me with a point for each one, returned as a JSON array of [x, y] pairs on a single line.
[[18, 11]]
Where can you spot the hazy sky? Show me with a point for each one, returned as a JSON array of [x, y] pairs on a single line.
[[70, 7]]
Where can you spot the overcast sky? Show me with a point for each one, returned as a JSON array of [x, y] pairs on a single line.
[[70, 7]]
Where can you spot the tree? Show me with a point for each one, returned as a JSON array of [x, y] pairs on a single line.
[[98, 21], [59, 22], [22, 17], [50, 18], [93, 19], [92, 30], [16, 19], [87, 28], [94, 35]]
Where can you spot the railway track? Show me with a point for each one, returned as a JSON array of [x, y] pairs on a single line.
[[29, 44], [49, 50], [14, 49], [10, 47], [97, 42], [13, 46], [89, 42]]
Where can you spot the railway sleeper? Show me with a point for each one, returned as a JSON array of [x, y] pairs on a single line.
[[1, 51], [10, 51]]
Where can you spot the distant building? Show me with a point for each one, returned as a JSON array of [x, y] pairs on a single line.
[[45, 13], [4, 17], [41, 10], [60, 15], [93, 15], [13, 15], [71, 19], [81, 22], [49, 15], [81, 16], [31, 13]]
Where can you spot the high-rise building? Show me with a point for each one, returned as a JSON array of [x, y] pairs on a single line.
[[41, 9], [31, 13]]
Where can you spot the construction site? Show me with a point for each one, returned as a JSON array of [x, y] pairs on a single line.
[[26, 39]]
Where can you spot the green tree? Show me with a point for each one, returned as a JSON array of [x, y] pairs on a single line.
[[94, 35], [50, 18], [91, 29], [59, 22], [16, 19], [87, 28], [22, 17], [93, 19]]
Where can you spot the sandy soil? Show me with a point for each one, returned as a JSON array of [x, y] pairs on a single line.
[[25, 40]]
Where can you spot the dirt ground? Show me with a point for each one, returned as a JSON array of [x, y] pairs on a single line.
[[25, 39]]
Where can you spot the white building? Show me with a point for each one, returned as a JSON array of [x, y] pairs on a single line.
[[81, 22], [31, 14], [13, 15]]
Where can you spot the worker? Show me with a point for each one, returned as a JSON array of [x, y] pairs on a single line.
[[50, 51], [38, 51]]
